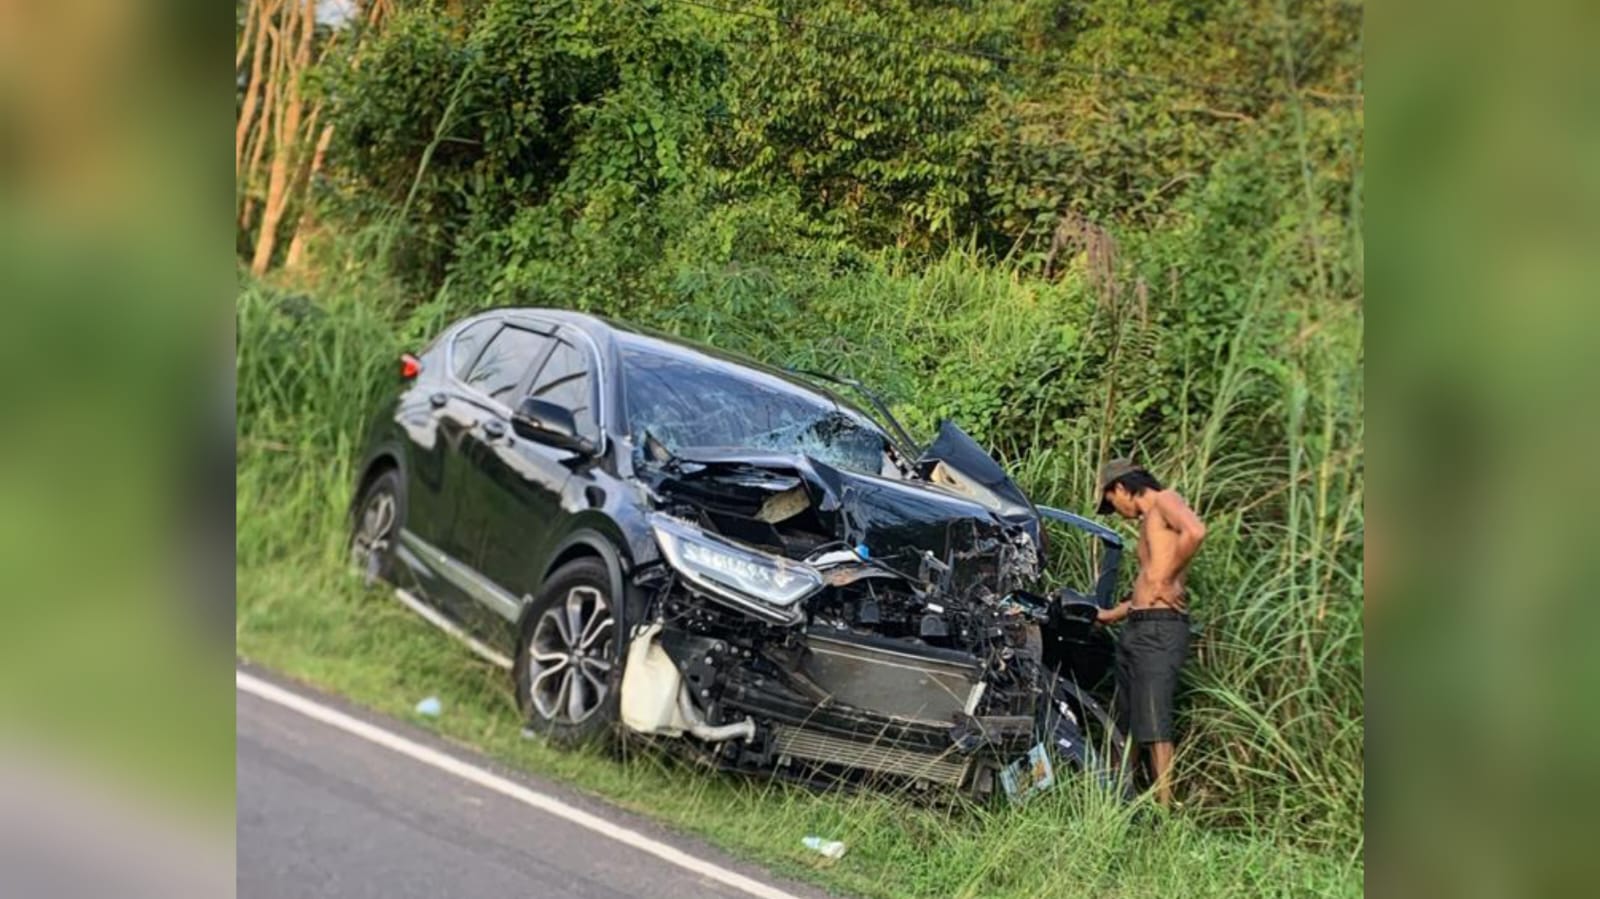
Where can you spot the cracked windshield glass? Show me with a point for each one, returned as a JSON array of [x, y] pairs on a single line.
[[684, 403]]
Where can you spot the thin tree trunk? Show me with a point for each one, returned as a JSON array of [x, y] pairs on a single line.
[[261, 133], [258, 10], [286, 144], [297, 244], [241, 52]]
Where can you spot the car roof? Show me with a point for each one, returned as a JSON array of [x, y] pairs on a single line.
[[606, 331]]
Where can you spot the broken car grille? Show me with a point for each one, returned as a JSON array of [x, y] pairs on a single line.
[[820, 747]]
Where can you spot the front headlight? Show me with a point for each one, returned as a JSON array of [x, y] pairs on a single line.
[[767, 586]]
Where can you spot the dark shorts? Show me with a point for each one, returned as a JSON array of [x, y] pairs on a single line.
[[1152, 648]]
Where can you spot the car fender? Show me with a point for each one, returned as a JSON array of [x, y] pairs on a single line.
[[388, 452], [609, 545]]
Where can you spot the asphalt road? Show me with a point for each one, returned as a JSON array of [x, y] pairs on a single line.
[[326, 812]]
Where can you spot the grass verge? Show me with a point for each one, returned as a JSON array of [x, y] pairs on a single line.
[[304, 615]]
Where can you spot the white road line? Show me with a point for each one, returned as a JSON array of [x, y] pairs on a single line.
[[548, 804]]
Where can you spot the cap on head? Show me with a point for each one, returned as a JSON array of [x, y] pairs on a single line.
[[1109, 472]]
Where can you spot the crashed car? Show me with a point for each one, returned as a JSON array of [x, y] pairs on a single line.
[[661, 539]]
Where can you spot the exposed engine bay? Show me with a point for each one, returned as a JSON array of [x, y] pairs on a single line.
[[818, 623]]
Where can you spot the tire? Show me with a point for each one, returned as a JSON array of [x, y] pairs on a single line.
[[568, 669], [375, 527], [1084, 737]]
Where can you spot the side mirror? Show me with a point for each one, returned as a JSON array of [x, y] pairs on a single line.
[[552, 425]]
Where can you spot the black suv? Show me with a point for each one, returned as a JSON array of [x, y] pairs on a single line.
[[661, 538]]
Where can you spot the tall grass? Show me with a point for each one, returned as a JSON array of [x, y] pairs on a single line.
[[1050, 375]]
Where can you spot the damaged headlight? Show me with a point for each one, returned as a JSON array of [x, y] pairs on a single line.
[[767, 586]]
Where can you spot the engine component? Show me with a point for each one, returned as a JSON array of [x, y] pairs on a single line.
[[712, 733], [915, 683], [815, 746]]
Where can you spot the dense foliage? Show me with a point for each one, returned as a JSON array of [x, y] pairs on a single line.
[[1078, 228]]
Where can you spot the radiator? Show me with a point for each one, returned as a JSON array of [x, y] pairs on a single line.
[[815, 746], [896, 681]]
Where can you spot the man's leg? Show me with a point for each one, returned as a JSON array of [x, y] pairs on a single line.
[[1164, 684], [1161, 763], [1132, 758]]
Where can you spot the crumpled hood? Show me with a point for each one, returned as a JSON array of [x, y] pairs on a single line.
[[794, 504]]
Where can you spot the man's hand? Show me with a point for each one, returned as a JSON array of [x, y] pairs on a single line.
[[1114, 614]]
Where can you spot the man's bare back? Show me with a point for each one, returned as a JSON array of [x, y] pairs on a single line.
[[1164, 552]]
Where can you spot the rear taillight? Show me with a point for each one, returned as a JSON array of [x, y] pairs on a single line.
[[410, 366]]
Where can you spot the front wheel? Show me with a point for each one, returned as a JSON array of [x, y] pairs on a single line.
[[1083, 737], [568, 667]]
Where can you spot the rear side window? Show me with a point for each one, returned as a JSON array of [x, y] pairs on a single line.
[[505, 361], [564, 380], [467, 344]]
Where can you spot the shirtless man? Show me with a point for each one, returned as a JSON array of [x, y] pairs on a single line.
[[1156, 638]]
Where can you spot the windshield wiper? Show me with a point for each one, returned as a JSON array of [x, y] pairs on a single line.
[[906, 443]]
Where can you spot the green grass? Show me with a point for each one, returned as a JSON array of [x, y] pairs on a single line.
[[304, 615]]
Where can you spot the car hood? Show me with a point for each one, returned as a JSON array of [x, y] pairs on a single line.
[[798, 505]]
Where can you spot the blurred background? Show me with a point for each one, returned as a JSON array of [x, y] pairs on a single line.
[[116, 524], [1486, 213]]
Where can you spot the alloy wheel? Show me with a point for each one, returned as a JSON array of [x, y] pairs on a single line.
[[569, 657], [373, 534]]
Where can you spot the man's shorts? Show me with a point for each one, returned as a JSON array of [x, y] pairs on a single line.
[[1151, 649]]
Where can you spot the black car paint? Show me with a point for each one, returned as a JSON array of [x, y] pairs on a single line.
[[512, 510], [469, 491]]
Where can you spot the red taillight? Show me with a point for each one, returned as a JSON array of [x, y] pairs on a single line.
[[410, 366]]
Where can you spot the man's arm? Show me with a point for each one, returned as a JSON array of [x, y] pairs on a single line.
[[1116, 613]]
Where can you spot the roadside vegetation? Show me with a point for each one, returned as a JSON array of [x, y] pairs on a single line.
[[1077, 229]]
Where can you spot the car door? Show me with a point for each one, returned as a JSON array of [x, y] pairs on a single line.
[[476, 414], [520, 482], [434, 425]]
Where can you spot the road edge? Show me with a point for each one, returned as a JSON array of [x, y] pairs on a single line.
[[592, 814]]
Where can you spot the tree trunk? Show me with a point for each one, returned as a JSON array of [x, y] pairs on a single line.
[[250, 132], [261, 131], [256, 16], [286, 141], [297, 244]]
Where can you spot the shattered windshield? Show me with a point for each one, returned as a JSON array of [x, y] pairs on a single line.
[[687, 399]]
